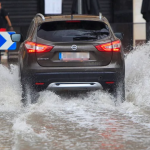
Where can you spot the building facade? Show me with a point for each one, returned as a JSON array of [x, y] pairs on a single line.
[[22, 11]]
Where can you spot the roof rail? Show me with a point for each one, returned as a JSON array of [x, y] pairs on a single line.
[[40, 15], [105, 19]]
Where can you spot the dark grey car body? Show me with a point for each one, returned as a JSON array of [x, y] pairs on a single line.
[[99, 70]]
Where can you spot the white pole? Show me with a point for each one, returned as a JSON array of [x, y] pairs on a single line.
[[80, 7]]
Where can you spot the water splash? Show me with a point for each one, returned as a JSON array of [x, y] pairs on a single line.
[[137, 77], [10, 91], [84, 108]]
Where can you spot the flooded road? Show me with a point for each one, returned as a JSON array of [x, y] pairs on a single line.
[[84, 121]]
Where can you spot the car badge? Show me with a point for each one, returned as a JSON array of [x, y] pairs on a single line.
[[74, 47]]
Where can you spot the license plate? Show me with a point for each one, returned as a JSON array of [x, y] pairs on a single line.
[[73, 56]]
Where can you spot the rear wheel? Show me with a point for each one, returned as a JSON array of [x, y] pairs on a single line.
[[29, 94], [119, 91]]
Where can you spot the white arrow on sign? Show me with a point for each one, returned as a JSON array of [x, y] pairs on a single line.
[[8, 42]]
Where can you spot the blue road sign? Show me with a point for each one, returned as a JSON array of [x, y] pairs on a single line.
[[5, 41]]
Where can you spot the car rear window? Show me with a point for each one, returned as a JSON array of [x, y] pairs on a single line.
[[69, 31]]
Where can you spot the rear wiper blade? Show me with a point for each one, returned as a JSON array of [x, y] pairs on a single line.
[[78, 38]]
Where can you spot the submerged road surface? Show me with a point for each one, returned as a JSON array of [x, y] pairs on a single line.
[[83, 121]]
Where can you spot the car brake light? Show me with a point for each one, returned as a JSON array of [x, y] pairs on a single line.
[[109, 47], [38, 48]]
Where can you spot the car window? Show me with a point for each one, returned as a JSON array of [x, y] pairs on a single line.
[[68, 31]]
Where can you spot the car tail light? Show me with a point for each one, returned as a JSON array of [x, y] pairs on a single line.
[[109, 47], [116, 46], [38, 48]]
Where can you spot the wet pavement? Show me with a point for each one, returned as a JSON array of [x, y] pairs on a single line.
[[78, 121]]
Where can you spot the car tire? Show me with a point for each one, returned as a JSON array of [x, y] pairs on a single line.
[[29, 94], [119, 91]]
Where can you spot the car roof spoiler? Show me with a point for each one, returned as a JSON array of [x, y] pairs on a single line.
[[101, 17]]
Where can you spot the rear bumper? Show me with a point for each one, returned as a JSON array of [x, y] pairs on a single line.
[[74, 80]]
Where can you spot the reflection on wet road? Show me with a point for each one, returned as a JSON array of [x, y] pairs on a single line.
[[83, 121]]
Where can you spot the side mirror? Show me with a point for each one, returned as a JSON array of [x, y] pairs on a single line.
[[16, 38], [119, 35]]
